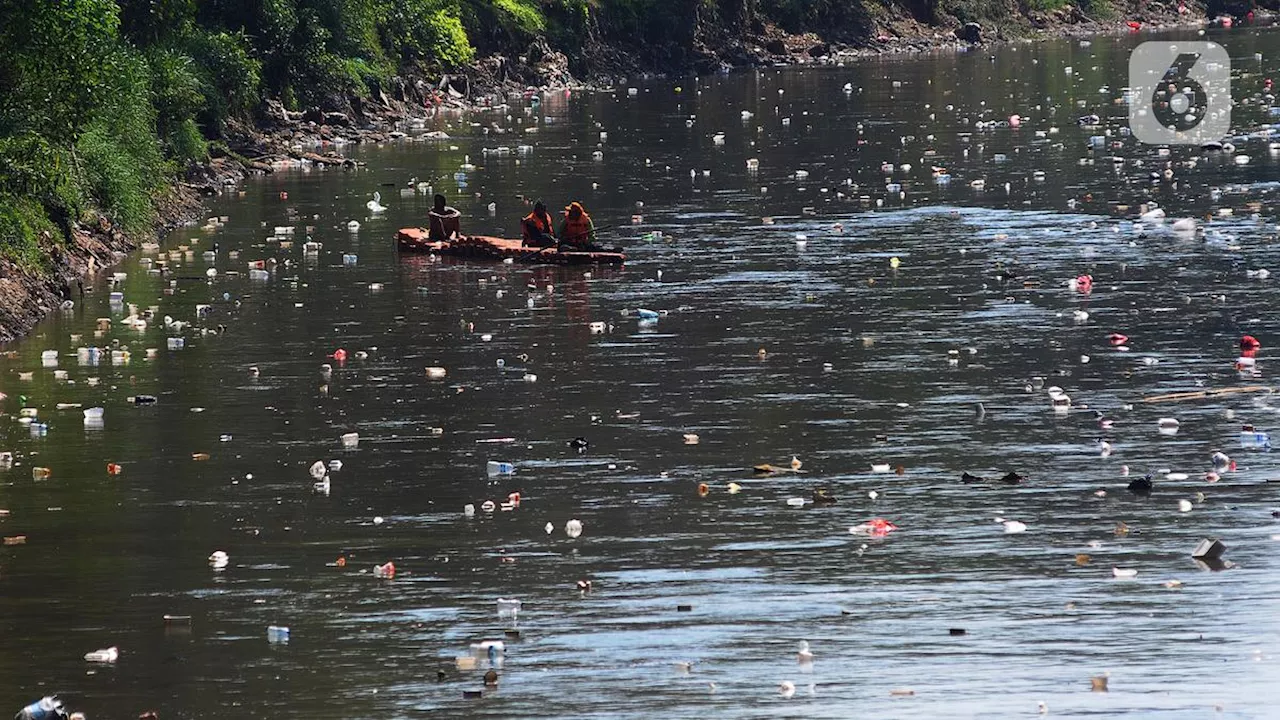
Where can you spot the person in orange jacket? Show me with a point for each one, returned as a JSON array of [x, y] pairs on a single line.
[[536, 228], [577, 230]]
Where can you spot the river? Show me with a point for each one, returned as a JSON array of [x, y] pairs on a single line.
[[771, 346]]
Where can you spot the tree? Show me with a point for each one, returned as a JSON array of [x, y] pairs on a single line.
[[58, 59]]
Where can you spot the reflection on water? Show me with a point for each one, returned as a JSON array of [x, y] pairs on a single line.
[[770, 348]]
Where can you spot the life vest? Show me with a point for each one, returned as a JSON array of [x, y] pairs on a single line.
[[577, 231], [540, 222]]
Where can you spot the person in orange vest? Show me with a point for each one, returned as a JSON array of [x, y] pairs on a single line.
[[577, 229], [536, 228], [444, 221]]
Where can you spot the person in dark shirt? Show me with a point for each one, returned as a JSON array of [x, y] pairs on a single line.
[[445, 223]]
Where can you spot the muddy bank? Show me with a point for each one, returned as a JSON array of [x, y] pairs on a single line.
[[71, 266]]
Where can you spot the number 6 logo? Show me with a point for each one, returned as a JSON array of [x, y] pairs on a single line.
[[1179, 93], [1179, 101]]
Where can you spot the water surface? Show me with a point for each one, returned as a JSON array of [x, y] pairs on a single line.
[[768, 350]]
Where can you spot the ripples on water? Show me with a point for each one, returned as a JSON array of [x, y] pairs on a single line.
[[981, 273]]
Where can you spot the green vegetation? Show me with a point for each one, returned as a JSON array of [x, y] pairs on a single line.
[[102, 102]]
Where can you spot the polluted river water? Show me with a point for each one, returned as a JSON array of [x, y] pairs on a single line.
[[836, 301]]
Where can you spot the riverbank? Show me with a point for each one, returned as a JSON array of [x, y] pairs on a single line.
[[279, 136], [28, 295], [276, 137]]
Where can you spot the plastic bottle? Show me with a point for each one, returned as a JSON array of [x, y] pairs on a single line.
[[499, 468], [277, 634], [488, 648], [508, 607], [1251, 438], [46, 708]]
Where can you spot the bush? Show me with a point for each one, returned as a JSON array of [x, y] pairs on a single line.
[[999, 12], [176, 96], [186, 143], [230, 78], [502, 24], [22, 219], [646, 21], [520, 16], [56, 59], [568, 23], [33, 168], [451, 46], [426, 32], [1099, 9], [119, 153], [149, 23]]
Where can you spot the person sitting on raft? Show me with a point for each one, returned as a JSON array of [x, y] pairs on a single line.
[[445, 223], [536, 228], [577, 230]]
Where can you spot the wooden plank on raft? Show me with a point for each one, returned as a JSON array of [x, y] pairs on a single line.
[[1205, 394]]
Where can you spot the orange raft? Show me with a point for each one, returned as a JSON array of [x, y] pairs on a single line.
[[483, 247]]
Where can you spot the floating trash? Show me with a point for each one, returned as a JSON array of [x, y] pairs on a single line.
[[1209, 549], [876, 527], [509, 608], [46, 708], [106, 655], [1012, 527]]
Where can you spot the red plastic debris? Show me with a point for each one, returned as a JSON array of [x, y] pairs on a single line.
[[875, 527]]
